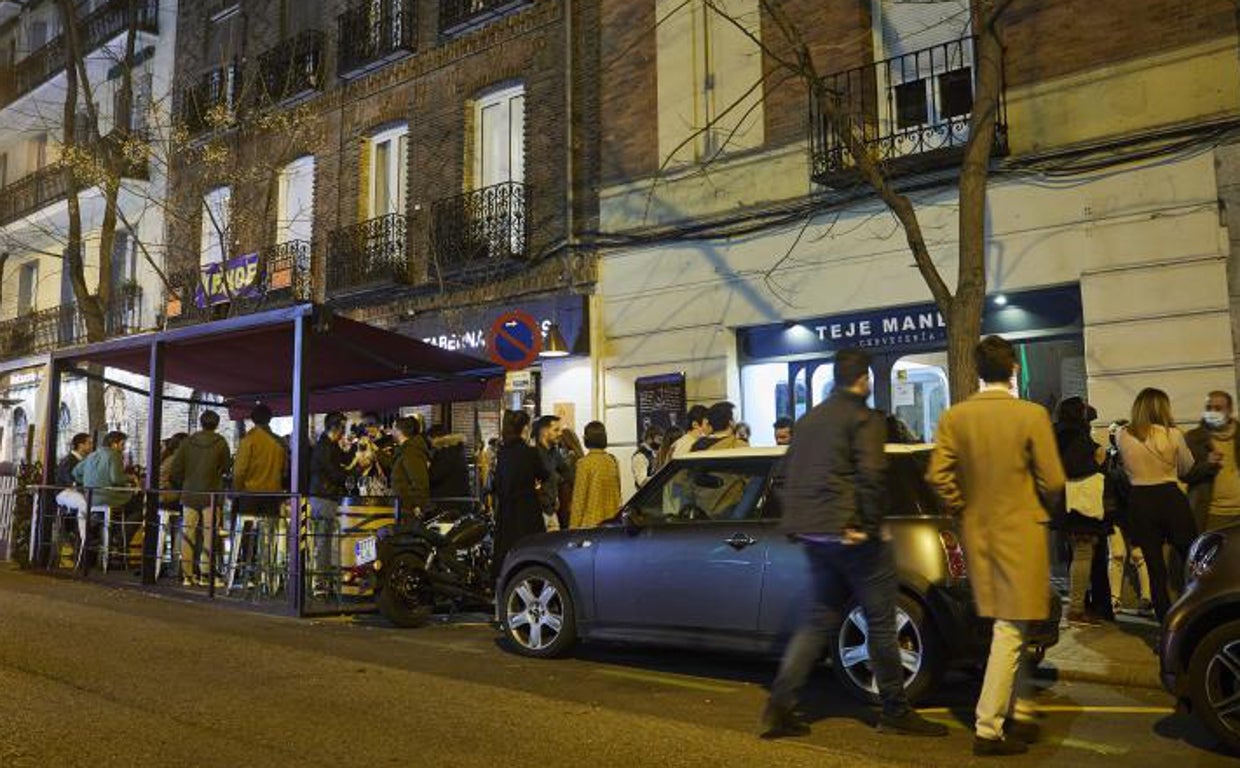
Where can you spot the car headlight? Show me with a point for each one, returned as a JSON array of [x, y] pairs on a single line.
[[1204, 554]]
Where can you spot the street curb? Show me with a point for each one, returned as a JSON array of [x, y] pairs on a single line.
[[1127, 677]]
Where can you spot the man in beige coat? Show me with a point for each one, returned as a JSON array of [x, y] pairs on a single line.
[[996, 465]]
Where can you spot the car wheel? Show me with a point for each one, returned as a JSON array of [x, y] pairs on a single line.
[[1214, 683], [405, 599], [921, 653], [539, 618]]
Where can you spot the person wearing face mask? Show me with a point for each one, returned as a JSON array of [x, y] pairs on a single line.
[[1214, 482]]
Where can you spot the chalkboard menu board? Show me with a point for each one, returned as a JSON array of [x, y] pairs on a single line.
[[660, 402]]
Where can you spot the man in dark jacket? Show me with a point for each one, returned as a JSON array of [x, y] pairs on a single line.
[[449, 467], [79, 448], [411, 481], [1214, 482], [547, 431], [198, 467], [834, 500], [327, 477]]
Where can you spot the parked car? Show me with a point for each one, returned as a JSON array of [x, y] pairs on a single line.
[[1200, 647], [695, 560]]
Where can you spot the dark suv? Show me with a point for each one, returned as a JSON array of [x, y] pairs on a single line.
[[1200, 648], [695, 560]]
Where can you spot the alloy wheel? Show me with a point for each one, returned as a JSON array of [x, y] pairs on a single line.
[[1223, 685], [853, 652], [535, 613]]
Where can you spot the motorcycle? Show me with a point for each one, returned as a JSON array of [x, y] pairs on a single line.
[[440, 563]]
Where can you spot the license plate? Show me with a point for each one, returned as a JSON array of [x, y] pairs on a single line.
[[365, 551]]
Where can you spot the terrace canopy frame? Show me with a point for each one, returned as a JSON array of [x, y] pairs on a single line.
[[297, 360]]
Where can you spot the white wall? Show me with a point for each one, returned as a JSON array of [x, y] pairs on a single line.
[[1144, 242]]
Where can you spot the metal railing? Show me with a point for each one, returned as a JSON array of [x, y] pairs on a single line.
[[373, 32], [210, 104], [32, 192], [461, 14], [284, 277], [478, 228], [292, 67], [97, 28], [65, 326], [372, 252], [911, 112]]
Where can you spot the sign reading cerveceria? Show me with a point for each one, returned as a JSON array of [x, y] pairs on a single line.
[[224, 281]]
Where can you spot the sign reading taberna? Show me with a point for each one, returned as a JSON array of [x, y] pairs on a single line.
[[222, 282], [917, 327]]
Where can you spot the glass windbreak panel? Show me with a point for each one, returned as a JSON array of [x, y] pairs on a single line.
[[919, 394], [705, 491], [1051, 370], [764, 398]]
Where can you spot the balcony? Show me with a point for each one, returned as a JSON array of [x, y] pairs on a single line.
[[366, 256], [479, 231], [292, 68], [374, 32], [64, 326], [97, 28], [48, 185], [210, 104], [460, 15], [912, 113], [283, 279]]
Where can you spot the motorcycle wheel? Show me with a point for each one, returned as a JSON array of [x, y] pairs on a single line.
[[404, 598]]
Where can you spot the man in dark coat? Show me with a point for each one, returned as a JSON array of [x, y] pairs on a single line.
[[79, 448], [834, 500], [518, 473], [327, 477], [411, 481], [198, 468], [449, 473]]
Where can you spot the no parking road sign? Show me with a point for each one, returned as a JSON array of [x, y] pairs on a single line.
[[516, 340]]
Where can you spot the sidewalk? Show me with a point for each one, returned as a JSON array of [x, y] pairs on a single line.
[[1122, 653]]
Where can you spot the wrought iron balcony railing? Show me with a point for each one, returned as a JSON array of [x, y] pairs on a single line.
[[65, 326], [479, 229], [49, 184], [292, 67], [911, 112], [455, 15], [283, 278], [210, 104], [373, 32], [100, 26], [370, 254]]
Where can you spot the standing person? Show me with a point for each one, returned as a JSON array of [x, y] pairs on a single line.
[[518, 472], [328, 460], [449, 467], [834, 501], [79, 448], [103, 473], [722, 419], [699, 427], [1119, 547], [596, 489], [996, 466], [547, 432], [486, 472], [571, 452], [1214, 482], [261, 466], [411, 479], [783, 430], [667, 449], [1083, 460], [643, 462], [198, 468], [1155, 456]]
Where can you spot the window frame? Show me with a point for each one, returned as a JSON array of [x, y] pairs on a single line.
[[396, 172], [502, 96], [213, 237], [655, 491]]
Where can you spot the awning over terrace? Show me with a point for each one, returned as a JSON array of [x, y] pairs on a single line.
[[349, 365]]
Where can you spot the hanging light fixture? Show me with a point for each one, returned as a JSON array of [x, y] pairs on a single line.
[[554, 344]]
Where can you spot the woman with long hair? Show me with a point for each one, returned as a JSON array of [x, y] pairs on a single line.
[[1155, 456], [667, 447], [518, 472]]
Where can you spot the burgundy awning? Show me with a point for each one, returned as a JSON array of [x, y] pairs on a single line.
[[350, 365]]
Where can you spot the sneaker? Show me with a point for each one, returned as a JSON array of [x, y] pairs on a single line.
[[778, 723], [1022, 730], [998, 747], [187, 581], [910, 724]]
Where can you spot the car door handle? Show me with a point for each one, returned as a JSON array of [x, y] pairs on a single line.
[[740, 540]]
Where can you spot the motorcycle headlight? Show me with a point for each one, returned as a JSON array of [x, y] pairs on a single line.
[[1203, 555]]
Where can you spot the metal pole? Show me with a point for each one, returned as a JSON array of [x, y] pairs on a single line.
[[211, 549], [154, 428], [51, 420], [300, 469]]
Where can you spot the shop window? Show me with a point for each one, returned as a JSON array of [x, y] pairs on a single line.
[[823, 384], [919, 393], [21, 431], [764, 398]]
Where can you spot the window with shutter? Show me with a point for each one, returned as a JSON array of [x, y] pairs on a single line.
[[295, 218]]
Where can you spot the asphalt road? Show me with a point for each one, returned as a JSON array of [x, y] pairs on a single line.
[[96, 676]]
